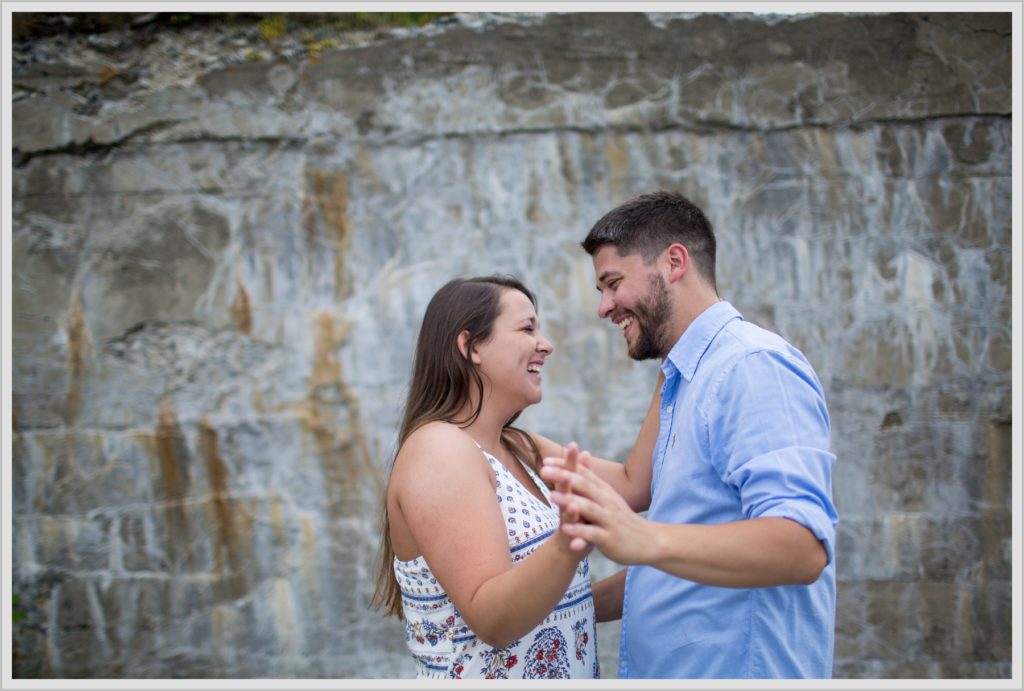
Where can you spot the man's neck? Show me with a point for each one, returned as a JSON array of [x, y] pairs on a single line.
[[687, 308]]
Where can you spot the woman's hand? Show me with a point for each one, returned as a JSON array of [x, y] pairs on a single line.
[[570, 460], [602, 517]]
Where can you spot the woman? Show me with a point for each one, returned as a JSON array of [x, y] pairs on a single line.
[[472, 557]]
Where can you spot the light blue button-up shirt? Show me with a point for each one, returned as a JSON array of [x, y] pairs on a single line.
[[744, 433]]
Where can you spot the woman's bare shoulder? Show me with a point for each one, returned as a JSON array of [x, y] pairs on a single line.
[[437, 445], [438, 432]]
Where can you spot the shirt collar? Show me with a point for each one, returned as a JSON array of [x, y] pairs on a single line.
[[691, 346]]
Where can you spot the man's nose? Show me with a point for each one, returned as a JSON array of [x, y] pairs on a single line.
[[604, 309]]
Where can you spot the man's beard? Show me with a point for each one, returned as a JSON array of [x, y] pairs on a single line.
[[652, 313]]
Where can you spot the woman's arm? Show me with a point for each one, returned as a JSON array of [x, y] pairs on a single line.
[[632, 479], [444, 495]]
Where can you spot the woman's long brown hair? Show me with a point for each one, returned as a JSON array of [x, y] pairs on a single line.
[[442, 382]]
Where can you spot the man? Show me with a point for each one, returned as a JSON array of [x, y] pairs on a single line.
[[732, 573]]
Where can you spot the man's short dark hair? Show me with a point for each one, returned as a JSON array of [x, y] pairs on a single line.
[[651, 222]]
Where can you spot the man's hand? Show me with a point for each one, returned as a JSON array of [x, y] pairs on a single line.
[[600, 516]]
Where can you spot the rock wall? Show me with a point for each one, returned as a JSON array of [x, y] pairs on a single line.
[[222, 250]]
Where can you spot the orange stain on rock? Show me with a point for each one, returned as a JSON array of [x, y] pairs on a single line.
[[172, 457], [326, 368], [79, 350], [325, 216], [616, 152], [231, 522], [241, 310], [277, 520], [330, 415], [168, 439], [218, 474]]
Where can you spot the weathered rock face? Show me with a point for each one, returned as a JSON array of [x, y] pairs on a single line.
[[219, 276]]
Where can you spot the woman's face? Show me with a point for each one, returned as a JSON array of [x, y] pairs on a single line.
[[512, 358]]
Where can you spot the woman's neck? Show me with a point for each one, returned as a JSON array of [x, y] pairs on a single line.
[[486, 429]]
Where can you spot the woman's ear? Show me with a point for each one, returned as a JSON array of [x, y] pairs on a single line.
[[462, 340], [468, 352]]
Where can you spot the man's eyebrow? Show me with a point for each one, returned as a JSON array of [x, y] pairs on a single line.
[[603, 278]]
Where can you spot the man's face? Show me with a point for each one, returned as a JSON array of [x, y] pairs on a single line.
[[635, 297]]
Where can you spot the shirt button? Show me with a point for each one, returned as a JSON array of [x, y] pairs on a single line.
[[669, 410]]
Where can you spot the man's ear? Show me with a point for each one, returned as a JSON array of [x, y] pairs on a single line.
[[678, 260], [462, 341]]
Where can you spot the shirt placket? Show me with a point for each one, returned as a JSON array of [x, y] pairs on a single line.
[[669, 392], [668, 395]]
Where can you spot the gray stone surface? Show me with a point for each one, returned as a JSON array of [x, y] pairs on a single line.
[[220, 264]]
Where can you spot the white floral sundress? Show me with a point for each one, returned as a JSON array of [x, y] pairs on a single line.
[[562, 646]]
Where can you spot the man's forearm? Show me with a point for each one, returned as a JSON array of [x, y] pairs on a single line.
[[608, 595], [747, 553], [753, 553]]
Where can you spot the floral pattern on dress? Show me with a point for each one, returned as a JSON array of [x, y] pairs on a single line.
[[459, 665], [498, 662], [582, 638], [424, 631], [443, 646], [547, 658]]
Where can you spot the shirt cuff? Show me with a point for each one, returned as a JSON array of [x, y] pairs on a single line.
[[810, 516]]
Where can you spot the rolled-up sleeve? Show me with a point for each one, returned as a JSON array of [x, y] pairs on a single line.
[[769, 433]]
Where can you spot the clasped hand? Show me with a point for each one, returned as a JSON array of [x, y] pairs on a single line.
[[592, 512]]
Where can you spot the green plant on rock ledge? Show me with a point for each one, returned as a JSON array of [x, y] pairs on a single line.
[[371, 20], [273, 27]]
